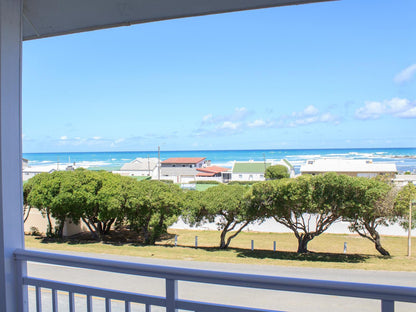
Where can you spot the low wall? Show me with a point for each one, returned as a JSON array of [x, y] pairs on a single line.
[[39, 222]]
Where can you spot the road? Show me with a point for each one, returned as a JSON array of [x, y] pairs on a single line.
[[285, 301]]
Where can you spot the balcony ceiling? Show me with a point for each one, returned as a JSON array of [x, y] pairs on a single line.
[[46, 18]]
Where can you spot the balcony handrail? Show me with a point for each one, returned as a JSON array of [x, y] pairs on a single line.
[[323, 287]]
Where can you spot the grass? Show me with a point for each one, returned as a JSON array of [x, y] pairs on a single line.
[[326, 250]]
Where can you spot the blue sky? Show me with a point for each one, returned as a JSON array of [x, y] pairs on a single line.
[[327, 75]]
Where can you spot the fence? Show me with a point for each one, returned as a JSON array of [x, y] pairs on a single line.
[[386, 294]]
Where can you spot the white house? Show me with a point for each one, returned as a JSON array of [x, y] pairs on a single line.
[[30, 172], [178, 174], [403, 179], [249, 170], [140, 167], [352, 167], [190, 162]]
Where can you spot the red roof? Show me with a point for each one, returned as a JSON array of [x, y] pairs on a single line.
[[205, 174], [212, 169], [183, 160]]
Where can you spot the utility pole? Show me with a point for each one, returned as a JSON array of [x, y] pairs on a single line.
[[158, 163], [409, 230]]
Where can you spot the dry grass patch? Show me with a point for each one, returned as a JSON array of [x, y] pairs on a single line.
[[326, 250]]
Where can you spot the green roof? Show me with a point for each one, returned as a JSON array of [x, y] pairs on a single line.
[[250, 167]]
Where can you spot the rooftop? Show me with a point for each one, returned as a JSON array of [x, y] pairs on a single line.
[[250, 167], [183, 160], [141, 164], [347, 165], [210, 171]]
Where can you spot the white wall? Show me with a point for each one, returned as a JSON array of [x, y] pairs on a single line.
[[271, 226], [247, 177]]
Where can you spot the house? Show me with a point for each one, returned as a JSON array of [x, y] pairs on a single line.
[[352, 167], [190, 162], [178, 174], [214, 173], [249, 170], [25, 163], [403, 179], [30, 172], [140, 167]]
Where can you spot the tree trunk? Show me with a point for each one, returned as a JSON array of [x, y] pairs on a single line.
[[90, 228], [377, 244], [49, 229], [303, 241], [59, 230], [223, 245], [27, 210]]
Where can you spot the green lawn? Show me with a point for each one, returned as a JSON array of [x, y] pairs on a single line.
[[327, 250]]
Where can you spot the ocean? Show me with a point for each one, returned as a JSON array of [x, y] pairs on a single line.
[[405, 158]]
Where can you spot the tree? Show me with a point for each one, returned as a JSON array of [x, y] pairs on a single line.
[[224, 204], [151, 207], [97, 199], [371, 206], [40, 195], [27, 188], [307, 205], [404, 198], [276, 172]]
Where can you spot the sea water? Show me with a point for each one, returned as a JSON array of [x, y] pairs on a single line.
[[404, 158]]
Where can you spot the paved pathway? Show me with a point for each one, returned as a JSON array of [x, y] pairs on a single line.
[[286, 301]]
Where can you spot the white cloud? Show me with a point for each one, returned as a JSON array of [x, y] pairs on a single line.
[[97, 138], [257, 123], [311, 115], [228, 125], [397, 107], [406, 74], [64, 137], [410, 113], [310, 111], [371, 110]]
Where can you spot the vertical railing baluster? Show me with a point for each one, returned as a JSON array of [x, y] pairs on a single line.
[[89, 303], [54, 300], [107, 305], [171, 294], [38, 299], [71, 301], [148, 307], [387, 306], [127, 307]]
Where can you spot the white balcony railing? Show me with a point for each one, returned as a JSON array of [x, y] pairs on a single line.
[[386, 294]]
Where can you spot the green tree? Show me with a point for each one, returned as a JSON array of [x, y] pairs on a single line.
[[276, 172], [97, 200], [371, 206], [224, 204], [27, 188], [405, 197], [41, 193], [151, 207], [307, 205]]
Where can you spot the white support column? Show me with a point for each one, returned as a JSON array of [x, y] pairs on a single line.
[[11, 204]]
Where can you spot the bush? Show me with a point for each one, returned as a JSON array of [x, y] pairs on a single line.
[[206, 182], [276, 172], [242, 182]]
